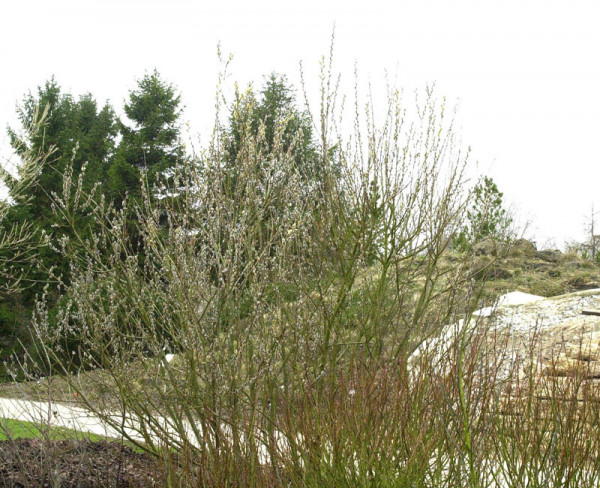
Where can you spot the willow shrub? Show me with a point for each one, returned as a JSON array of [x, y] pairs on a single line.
[[291, 305]]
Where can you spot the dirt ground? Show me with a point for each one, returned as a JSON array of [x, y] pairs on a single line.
[[81, 464]]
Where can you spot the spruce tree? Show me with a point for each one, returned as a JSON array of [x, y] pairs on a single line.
[[274, 109], [486, 217], [150, 143], [77, 134], [74, 133]]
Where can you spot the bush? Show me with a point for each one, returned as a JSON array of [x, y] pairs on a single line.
[[291, 306]]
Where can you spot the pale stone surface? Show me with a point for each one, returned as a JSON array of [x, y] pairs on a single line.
[[518, 298], [545, 313], [523, 328], [509, 299], [58, 415], [567, 343]]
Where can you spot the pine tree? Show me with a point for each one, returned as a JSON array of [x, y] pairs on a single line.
[[69, 134], [486, 217], [275, 112], [151, 143]]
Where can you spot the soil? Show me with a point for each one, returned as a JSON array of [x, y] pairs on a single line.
[[75, 463]]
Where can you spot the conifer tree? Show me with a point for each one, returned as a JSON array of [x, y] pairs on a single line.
[[273, 109], [61, 135], [486, 217], [79, 134], [151, 142]]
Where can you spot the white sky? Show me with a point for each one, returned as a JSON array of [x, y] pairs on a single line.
[[526, 74]]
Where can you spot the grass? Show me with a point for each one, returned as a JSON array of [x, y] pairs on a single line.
[[529, 272], [11, 429], [19, 429]]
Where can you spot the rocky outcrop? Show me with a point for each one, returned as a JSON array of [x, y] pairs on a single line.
[[487, 247], [522, 248], [550, 255], [518, 265], [554, 333], [517, 248], [546, 313]]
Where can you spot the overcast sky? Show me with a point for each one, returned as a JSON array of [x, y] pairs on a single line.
[[526, 74]]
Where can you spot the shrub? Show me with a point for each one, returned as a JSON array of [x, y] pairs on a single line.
[[291, 307]]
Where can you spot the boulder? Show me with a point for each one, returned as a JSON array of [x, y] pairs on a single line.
[[487, 247], [518, 298], [572, 347], [497, 272], [550, 255], [583, 282], [522, 248]]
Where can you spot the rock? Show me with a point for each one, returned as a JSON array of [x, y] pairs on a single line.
[[566, 366], [497, 272], [548, 338], [487, 247], [518, 298], [584, 347], [583, 282], [580, 349], [561, 366], [559, 316], [571, 346], [522, 248], [492, 273], [550, 255]]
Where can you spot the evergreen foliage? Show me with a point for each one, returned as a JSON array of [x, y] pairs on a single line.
[[486, 217], [151, 143], [73, 142], [272, 118], [78, 133]]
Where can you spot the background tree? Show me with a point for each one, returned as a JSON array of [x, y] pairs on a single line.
[[268, 140], [486, 217], [272, 118], [151, 142], [18, 241], [71, 134], [588, 249], [78, 132]]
